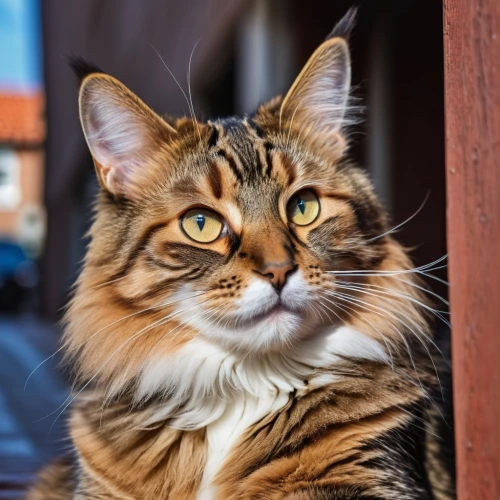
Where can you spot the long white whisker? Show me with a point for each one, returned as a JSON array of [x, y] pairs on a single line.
[[423, 289], [395, 228], [113, 354], [429, 339], [189, 91], [104, 328], [107, 283], [358, 274], [175, 80], [431, 276], [393, 293], [372, 306], [318, 311], [365, 305], [425, 267], [180, 328], [426, 428], [369, 323], [363, 290]]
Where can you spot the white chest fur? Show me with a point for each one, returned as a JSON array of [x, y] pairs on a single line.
[[209, 387], [222, 434]]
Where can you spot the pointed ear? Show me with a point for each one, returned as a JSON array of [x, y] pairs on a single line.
[[121, 131], [319, 96]]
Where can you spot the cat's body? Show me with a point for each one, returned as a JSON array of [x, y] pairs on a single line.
[[244, 328], [361, 437]]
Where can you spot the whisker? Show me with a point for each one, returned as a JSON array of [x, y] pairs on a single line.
[[399, 320], [423, 289], [290, 127], [392, 293], [136, 335], [104, 328], [395, 228], [375, 273], [420, 268], [317, 310], [182, 325], [189, 91], [420, 419], [365, 305], [175, 80], [371, 272], [387, 342], [429, 339], [369, 323], [431, 276], [392, 315], [107, 283]]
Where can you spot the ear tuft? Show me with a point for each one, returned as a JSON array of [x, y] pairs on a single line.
[[345, 26], [82, 68]]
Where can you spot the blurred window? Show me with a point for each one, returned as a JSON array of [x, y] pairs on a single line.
[[10, 192]]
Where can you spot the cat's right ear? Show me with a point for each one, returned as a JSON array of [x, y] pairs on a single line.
[[121, 131]]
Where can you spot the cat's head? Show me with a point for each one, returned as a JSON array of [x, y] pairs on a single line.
[[229, 229]]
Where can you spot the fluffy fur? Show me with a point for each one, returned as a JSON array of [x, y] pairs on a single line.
[[198, 373]]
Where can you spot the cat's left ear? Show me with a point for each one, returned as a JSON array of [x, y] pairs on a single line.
[[318, 99]]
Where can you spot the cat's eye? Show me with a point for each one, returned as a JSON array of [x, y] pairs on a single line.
[[201, 225], [303, 208]]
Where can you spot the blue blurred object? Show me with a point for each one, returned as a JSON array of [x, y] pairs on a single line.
[[20, 46], [18, 276]]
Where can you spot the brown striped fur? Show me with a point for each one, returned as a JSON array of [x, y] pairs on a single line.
[[365, 434]]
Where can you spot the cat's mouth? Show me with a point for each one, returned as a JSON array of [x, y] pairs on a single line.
[[270, 315]]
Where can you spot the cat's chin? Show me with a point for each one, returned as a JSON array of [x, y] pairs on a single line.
[[274, 330]]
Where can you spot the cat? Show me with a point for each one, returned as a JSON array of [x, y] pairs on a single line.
[[245, 325]]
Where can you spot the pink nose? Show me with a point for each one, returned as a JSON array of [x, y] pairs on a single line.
[[278, 272]]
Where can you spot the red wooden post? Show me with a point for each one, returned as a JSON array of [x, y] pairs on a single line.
[[472, 83]]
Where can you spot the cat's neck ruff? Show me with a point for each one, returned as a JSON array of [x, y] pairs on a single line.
[[202, 381]]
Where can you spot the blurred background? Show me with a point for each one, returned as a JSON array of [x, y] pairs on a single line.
[[246, 52]]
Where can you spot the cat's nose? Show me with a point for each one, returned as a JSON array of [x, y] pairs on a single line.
[[278, 272]]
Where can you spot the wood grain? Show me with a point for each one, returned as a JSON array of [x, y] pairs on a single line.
[[472, 86]]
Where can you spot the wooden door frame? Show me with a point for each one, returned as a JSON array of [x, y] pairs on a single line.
[[472, 100]]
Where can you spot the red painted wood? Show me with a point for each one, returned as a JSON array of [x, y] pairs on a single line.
[[472, 86]]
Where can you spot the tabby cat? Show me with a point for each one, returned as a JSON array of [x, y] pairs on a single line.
[[245, 325]]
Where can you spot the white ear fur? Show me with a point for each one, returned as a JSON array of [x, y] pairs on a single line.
[[121, 131], [319, 96]]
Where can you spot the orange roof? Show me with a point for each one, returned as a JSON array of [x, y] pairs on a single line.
[[21, 118]]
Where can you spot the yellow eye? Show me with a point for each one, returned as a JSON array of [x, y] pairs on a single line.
[[303, 208], [202, 225]]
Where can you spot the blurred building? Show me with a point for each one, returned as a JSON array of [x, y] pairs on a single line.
[[22, 127]]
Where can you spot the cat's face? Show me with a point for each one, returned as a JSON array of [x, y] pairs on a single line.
[[244, 233], [227, 229]]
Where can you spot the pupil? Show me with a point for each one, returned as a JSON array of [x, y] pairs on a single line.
[[302, 206], [200, 220]]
